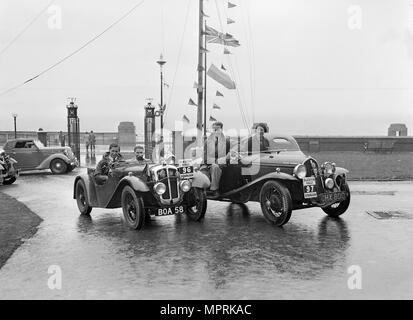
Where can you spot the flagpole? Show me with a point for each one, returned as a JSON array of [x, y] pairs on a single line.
[[200, 69], [205, 97]]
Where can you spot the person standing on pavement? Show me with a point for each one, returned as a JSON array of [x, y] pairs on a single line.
[[92, 141]]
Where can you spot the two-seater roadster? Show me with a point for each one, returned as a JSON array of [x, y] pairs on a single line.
[[282, 178], [144, 190]]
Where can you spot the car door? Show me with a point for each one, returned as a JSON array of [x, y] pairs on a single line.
[[27, 155]]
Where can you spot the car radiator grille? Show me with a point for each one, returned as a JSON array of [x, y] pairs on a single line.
[[172, 183], [313, 170]]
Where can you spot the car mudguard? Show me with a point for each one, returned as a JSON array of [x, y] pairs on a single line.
[[200, 180], [137, 184], [45, 164]]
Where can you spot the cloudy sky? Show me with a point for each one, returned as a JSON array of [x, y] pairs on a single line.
[[304, 66]]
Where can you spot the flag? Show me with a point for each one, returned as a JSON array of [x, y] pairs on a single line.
[[205, 15], [192, 103], [223, 68], [219, 94], [211, 118], [229, 21], [231, 5], [195, 85], [203, 50], [220, 77], [215, 106], [214, 36], [185, 119], [166, 85], [226, 51]]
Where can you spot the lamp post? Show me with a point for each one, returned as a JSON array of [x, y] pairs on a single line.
[[15, 128], [161, 62]]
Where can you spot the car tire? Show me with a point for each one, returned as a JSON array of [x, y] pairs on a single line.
[[196, 204], [58, 166], [81, 198], [133, 209], [338, 208], [276, 203]]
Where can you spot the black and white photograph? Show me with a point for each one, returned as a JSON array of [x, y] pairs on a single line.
[[206, 150]]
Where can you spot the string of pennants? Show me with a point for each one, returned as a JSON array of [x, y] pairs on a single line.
[[214, 36]]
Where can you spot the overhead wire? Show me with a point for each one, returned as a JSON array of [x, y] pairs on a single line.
[[76, 51]]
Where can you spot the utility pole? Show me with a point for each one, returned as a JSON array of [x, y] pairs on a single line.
[[200, 80], [15, 127], [161, 62]]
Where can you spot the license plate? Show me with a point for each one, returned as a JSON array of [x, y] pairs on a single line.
[[333, 197], [169, 211], [186, 172], [309, 187]]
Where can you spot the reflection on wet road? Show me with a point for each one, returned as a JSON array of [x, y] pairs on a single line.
[[232, 254]]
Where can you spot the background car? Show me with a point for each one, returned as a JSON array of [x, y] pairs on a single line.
[[282, 178], [143, 190], [33, 155]]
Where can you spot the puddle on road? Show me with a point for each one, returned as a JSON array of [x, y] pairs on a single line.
[[389, 215]]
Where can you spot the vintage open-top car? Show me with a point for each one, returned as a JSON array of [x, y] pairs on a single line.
[[31, 154], [143, 190], [8, 173], [282, 178]]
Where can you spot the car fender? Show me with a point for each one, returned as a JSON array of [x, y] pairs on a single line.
[[134, 182], [341, 171], [45, 164], [200, 180], [86, 180]]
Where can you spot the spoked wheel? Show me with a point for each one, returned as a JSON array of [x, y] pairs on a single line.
[[196, 204], [58, 166], [81, 198], [133, 210], [336, 209], [276, 203]]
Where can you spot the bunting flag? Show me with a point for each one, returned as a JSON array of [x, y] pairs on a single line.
[[214, 36], [231, 5], [226, 51], [166, 85], [192, 103], [185, 119], [205, 15], [215, 106], [203, 50], [220, 77], [211, 118], [219, 94], [223, 68], [229, 21], [195, 85]]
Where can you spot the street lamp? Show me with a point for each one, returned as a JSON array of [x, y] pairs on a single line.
[[161, 62], [14, 115]]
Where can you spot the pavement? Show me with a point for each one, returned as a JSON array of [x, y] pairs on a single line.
[[232, 254]]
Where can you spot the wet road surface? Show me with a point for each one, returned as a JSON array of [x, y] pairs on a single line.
[[230, 255]]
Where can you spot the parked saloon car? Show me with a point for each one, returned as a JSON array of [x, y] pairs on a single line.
[[8, 173], [33, 155], [283, 179], [144, 190]]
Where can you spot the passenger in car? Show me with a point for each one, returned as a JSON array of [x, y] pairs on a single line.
[[257, 142], [109, 160], [139, 155]]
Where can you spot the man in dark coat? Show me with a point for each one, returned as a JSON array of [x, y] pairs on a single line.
[[109, 160]]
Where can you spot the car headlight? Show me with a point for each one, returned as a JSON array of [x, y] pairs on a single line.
[[300, 171], [185, 185], [329, 168], [329, 183], [160, 188]]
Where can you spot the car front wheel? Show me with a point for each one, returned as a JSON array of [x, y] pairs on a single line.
[[196, 204], [338, 208], [133, 209], [58, 166], [9, 181], [81, 198], [276, 203]]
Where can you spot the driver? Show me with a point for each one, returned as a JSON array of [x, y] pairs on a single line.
[[109, 160], [257, 142]]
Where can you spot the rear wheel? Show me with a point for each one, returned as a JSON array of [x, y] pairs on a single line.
[[58, 166], [276, 203], [196, 204], [9, 181], [338, 208], [81, 198], [133, 209]]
